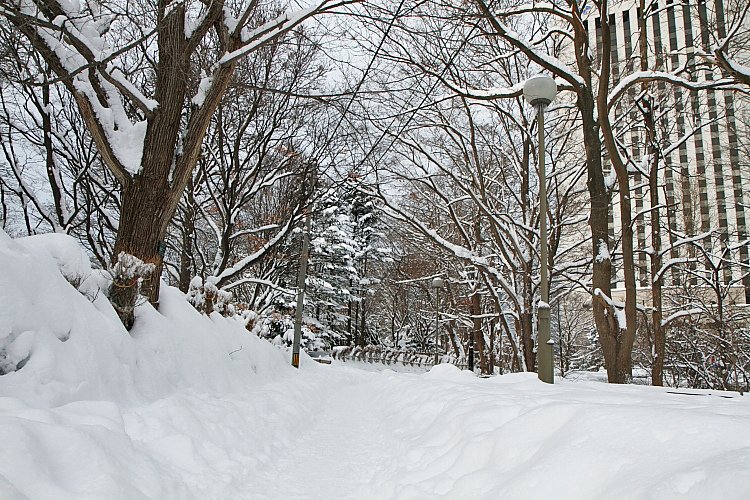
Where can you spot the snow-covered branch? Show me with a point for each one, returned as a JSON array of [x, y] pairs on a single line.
[[394, 210], [552, 64], [739, 72], [670, 263], [680, 314], [640, 77], [251, 40], [239, 267]]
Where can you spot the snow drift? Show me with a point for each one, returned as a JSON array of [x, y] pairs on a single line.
[[75, 382], [72, 347]]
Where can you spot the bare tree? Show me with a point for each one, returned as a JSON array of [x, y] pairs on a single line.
[[709, 345], [257, 141], [51, 163], [129, 68], [459, 166], [572, 329], [591, 72]]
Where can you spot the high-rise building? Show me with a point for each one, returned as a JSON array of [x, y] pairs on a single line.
[[703, 186]]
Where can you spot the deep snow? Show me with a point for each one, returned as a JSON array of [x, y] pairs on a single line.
[[186, 406]]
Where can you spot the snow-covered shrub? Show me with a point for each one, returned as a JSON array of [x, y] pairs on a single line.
[[251, 319], [14, 351], [207, 297], [130, 268], [195, 293], [87, 284], [128, 273]]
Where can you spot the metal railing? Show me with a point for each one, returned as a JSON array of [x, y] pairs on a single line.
[[388, 356]]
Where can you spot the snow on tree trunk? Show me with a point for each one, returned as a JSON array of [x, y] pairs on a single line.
[[128, 276]]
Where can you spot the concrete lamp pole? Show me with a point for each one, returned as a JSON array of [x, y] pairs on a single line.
[[540, 91], [437, 284]]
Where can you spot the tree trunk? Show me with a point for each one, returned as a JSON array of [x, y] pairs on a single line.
[[363, 320], [147, 198], [142, 222], [624, 337], [601, 277], [454, 341], [362, 324], [188, 236], [525, 323], [525, 327], [451, 325], [60, 222], [491, 360], [627, 335], [657, 364], [350, 312]]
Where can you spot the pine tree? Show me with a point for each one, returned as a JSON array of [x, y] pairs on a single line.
[[346, 243]]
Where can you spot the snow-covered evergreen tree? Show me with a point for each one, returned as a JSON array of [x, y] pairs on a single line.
[[345, 241], [332, 269], [370, 250]]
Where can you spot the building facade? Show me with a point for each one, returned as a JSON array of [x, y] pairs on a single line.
[[703, 185]]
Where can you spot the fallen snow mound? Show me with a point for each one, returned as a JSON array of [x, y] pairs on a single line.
[[72, 378], [60, 344]]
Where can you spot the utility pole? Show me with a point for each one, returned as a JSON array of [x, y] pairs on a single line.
[[301, 278], [437, 284]]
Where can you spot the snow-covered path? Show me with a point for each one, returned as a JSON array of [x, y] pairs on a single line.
[[336, 455], [186, 406], [340, 433], [343, 433], [451, 435]]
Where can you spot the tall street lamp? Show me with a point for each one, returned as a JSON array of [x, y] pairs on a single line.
[[540, 91], [437, 284]]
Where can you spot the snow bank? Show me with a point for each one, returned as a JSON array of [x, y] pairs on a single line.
[[72, 349], [515, 437], [66, 347], [89, 410]]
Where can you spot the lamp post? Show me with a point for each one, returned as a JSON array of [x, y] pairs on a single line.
[[540, 91], [437, 284]]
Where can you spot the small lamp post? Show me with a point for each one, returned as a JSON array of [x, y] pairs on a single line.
[[540, 91], [437, 284]]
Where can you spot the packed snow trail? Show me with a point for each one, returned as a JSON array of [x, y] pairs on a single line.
[[340, 433], [336, 454]]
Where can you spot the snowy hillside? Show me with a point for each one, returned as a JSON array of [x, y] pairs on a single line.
[[186, 406]]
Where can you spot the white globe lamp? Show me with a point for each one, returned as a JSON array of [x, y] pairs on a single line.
[[540, 90]]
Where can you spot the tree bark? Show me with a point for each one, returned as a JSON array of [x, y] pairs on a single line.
[[659, 339], [188, 236], [657, 365], [57, 197], [147, 196]]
